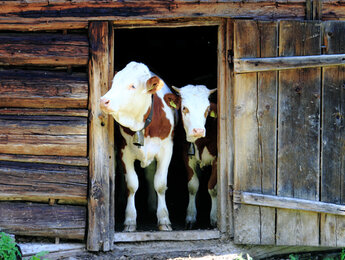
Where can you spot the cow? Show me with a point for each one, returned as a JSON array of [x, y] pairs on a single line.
[[136, 101], [199, 119]]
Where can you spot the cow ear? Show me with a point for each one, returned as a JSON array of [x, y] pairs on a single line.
[[172, 100], [154, 84], [213, 110]]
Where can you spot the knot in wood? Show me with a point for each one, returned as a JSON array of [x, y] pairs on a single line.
[[96, 190]]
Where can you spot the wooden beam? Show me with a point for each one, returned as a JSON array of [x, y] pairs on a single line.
[[101, 140], [245, 65], [39, 135], [81, 11], [43, 49], [166, 236], [249, 198], [43, 112], [33, 219], [39, 181], [43, 89]]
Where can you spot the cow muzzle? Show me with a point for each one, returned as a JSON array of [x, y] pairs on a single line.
[[198, 132], [105, 104]]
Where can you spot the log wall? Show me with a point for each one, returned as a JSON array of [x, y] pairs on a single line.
[[43, 133]]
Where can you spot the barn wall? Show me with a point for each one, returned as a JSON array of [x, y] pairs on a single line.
[[43, 133]]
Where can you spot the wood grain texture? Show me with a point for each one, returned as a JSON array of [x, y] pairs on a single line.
[[101, 141], [288, 203], [298, 138], [79, 11], [44, 112], [222, 142], [43, 89], [33, 219], [42, 181], [255, 127], [40, 135], [43, 49], [283, 63], [333, 136]]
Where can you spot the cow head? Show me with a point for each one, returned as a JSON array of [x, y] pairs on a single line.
[[195, 107], [129, 98]]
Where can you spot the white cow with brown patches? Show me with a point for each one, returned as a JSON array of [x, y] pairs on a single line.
[[136, 101], [199, 118]]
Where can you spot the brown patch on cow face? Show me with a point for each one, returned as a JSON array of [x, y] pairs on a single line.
[[172, 100], [210, 141], [154, 84], [160, 125]]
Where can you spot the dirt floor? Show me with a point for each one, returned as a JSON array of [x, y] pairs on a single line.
[[207, 249]]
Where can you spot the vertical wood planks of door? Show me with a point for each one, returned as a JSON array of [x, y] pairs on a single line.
[[333, 136], [298, 134], [255, 132]]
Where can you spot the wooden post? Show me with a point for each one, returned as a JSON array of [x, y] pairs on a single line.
[[101, 140]]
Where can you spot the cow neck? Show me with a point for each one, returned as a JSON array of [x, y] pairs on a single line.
[[138, 138]]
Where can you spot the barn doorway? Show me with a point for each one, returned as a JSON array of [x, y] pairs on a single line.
[[180, 56]]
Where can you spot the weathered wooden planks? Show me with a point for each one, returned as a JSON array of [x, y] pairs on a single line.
[[288, 203], [101, 142], [114, 10], [254, 130], [333, 136], [43, 49], [32, 180], [43, 89], [40, 135], [284, 63], [32, 219], [298, 134]]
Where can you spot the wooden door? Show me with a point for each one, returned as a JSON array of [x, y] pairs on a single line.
[[289, 132]]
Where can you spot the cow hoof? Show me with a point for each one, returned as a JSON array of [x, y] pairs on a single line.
[[130, 228], [165, 227], [189, 225]]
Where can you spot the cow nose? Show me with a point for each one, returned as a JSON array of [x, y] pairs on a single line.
[[198, 132], [105, 102]]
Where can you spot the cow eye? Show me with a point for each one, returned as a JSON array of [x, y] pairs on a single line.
[[185, 110], [132, 87]]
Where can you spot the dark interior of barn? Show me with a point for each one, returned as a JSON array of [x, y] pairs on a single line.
[[180, 56]]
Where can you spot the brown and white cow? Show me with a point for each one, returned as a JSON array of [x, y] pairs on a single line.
[[136, 101], [199, 118]]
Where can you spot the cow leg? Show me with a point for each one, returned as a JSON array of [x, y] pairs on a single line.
[[160, 183], [132, 187], [152, 196], [212, 190], [193, 186]]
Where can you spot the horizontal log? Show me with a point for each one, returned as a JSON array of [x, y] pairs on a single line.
[[42, 181], [171, 236], [129, 10], [9, 23], [244, 65], [44, 112], [64, 160], [39, 135], [32, 219], [43, 49], [287, 203], [43, 89]]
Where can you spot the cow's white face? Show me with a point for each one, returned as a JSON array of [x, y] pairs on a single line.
[[195, 107], [129, 98]]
